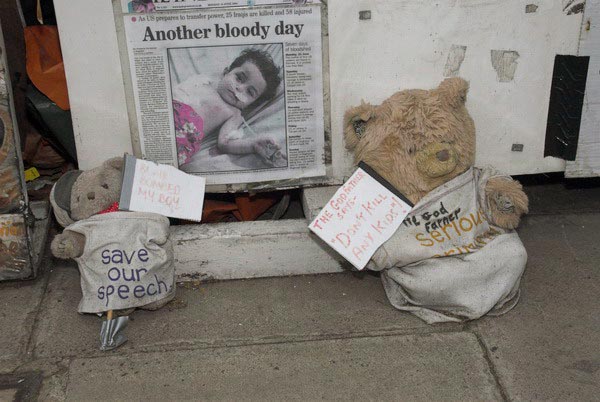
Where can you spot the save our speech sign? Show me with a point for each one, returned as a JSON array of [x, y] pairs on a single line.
[[127, 260], [362, 215]]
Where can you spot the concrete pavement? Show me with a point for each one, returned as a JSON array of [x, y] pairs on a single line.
[[325, 337]]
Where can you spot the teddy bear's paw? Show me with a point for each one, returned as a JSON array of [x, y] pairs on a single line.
[[505, 219], [504, 204], [507, 202], [64, 246]]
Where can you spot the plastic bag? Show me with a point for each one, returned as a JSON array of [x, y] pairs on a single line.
[[45, 64]]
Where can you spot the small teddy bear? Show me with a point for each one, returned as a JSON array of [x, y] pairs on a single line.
[[125, 258], [78, 195], [456, 256]]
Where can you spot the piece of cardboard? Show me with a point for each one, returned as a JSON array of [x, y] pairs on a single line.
[[162, 189], [362, 215]]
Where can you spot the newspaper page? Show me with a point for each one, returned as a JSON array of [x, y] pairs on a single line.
[[235, 95], [149, 6]]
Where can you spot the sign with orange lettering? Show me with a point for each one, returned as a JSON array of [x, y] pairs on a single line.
[[362, 215], [162, 189]]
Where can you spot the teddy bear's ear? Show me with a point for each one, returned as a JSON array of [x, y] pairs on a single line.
[[454, 91], [355, 122], [114, 163]]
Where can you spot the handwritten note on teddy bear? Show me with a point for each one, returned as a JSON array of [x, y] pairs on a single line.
[[162, 189], [361, 216]]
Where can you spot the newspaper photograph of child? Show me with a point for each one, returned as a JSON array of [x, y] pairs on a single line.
[[229, 108]]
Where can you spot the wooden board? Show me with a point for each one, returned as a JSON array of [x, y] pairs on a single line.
[[15, 259], [505, 50], [405, 43], [587, 163]]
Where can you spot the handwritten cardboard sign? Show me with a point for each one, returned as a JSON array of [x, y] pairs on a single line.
[[364, 213], [162, 189]]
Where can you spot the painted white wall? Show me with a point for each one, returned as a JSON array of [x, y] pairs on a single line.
[[89, 46], [587, 163], [404, 45]]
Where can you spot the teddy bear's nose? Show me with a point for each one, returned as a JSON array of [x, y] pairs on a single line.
[[91, 195], [443, 155]]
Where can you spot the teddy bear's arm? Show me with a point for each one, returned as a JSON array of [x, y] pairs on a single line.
[[68, 245], [507, 201]]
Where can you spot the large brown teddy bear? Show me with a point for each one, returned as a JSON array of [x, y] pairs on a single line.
[[456, 256]]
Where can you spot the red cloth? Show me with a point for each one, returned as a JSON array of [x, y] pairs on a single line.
[[113, 208]]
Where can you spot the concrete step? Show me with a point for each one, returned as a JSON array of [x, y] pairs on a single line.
[[242, 250]]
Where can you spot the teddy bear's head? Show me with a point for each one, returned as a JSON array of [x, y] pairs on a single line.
[[80, 194], [416, 139]]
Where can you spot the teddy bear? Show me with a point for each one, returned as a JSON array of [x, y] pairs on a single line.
[[456, 256], [125, 258]]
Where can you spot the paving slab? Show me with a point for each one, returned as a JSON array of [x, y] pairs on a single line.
[[446, 366], [548, 347], [231, 312], [52, 374], [18, 304]]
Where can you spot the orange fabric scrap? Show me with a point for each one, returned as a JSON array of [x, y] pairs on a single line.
[[45, 66]]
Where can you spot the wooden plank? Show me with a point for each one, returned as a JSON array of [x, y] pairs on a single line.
[[409, 43], [397, 48], [15, 259], [89, 46], [587, 163], [14, 248], [12, 185]]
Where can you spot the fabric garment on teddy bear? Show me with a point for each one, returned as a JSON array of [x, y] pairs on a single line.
[[130, 250], [456, 256]]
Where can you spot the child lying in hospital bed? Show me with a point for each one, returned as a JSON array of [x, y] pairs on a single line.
[[201, 106]]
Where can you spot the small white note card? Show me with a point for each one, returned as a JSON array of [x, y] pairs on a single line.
[[364, 213], [162, 189]]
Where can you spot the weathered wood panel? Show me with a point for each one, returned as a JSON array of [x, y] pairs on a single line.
[[505, 49], [405, 43], [587, 163], [15, 261]]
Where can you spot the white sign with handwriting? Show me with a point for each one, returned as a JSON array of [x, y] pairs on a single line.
[[360, 217], [162, 189]]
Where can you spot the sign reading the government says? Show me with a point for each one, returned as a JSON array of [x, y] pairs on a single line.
[[361, 216], [162, 189]]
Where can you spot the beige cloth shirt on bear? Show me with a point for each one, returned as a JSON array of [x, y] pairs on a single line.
[[127, 261], [447, 262]]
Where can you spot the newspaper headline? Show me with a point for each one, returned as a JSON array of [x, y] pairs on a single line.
[[235, 95]]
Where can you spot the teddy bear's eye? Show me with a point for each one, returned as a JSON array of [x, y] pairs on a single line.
[[412, 150], [105, 186], [77, 198], [359, 127]]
